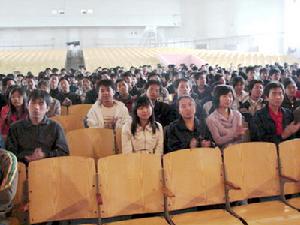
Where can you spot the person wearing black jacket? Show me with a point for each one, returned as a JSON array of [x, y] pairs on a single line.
[[187, 131], [273, 123], [37, 137], [163, 113]]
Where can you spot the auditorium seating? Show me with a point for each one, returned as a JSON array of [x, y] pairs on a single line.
[[62, 188], [69, 122], [131, 184], [289, 152], [118, 186], [253, 168], [194, 177], [38, 60], [93, 142], [31, 60], [80, 110]]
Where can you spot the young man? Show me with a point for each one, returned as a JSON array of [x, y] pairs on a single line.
[[164, 114], [254, 102], [37, 137], [183, 88], [273, 123], [65, 96], [123, 95], [107, 112], [187, 131]]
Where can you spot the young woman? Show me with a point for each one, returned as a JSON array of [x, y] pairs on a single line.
[[142, 133], [224, 123], [15, 110]]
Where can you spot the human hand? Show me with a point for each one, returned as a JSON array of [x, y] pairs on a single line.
[[290, 129], [193, 143], [36, 155]]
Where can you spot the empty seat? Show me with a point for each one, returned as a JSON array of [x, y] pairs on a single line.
[[91, 142], [194, 178], [289, 152], [62, 188], [131, 184], [79, 110], [70, 122], [253, 167]]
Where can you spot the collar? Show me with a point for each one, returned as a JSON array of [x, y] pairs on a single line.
[[44, 121], [181, 124], [147, 128]]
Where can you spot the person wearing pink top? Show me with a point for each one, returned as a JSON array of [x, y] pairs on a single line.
[[15, 110], [224, 123]]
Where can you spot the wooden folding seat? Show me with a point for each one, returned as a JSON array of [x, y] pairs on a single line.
[[62, 188], [64, 110], [289, 154], [118, 133], [69, 123], [91, 142], [131, 184], [194, 178], [252, 168], [79, 110]]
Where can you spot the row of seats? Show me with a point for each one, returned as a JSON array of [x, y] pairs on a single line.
[[31, 60], [38, 60], [69, 188]]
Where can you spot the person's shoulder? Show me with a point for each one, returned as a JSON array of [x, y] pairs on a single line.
[[19, 124]]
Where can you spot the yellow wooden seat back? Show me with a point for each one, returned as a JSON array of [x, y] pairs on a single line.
[[130, 184], [91, 142], [254, 168], [289, 154], [64, 110], [62, 188], [119, 140], [194, 177], [79, 110], [70, 122]]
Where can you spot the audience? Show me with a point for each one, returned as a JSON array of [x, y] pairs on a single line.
[[143, 133]]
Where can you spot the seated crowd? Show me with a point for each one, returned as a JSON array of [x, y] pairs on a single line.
[[159, 110]]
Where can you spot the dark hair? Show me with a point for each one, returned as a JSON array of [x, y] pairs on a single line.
[[272, 85], [142, 101], [253, 82], [43, 83], [39, 94], [287, 81], [220, 90], [180, 80], [237, 80], [249, 68], [11, 107], [105, 83], [152, 82], [218, 77], [263, 70], [185, 97], [273, 71], [197, 75]]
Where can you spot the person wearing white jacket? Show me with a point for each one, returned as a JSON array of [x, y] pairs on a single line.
[[107, 112], [142, 134]]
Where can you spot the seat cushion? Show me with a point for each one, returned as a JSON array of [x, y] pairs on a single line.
[[273, 212], [295, 202], [143, 221], [207, 217]]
